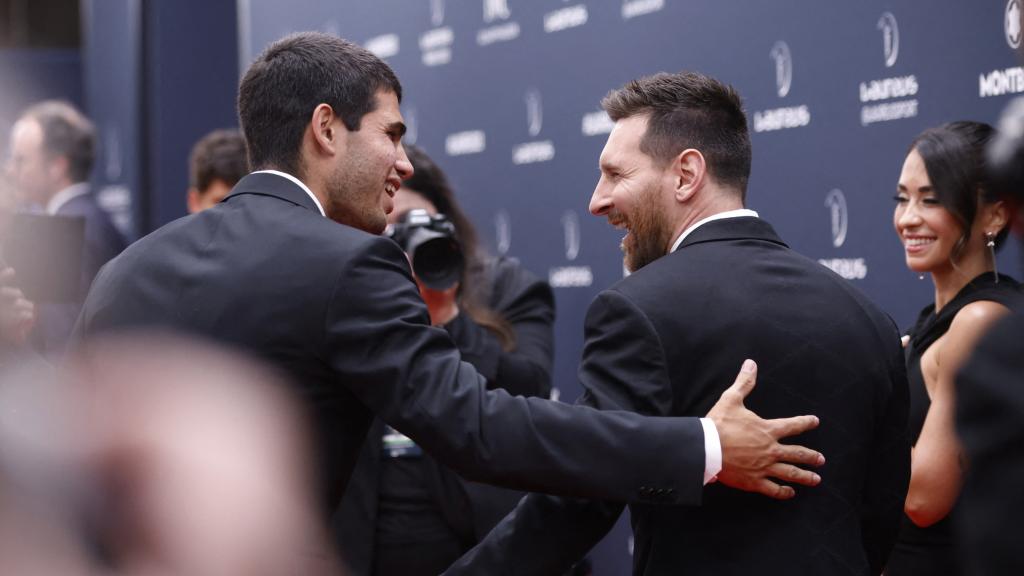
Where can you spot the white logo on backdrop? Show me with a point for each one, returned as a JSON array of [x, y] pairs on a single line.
[[788, 117], [502, 231], [836, 203], [1012, 23], [783, 67], [634, 8], [1007, 80], [565, 18], [436, 12], [890, 38], [539, 150], [412, 126], [495, 10], [571, 229], [383, 46], [595, 123], [534, 112]]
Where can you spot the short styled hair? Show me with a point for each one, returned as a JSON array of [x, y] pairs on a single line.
[[68, 133], [220, 155], [689, 110], [291, 78]]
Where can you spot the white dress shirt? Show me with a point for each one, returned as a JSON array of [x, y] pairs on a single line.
[[297, 183]]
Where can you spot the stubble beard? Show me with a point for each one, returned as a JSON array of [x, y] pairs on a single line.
[[649, 233]]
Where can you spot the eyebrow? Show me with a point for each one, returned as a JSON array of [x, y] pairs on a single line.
[[397, 125], [902, 186]]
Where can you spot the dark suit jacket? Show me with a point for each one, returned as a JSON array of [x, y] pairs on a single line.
[[102, 242], [667, 341], [990, 422], [470, 509], [337, 310]]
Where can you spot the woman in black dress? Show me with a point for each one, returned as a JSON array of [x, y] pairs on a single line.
[[950, 225]]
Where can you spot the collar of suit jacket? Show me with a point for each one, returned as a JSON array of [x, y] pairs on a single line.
[[277, 185], [742, 228]]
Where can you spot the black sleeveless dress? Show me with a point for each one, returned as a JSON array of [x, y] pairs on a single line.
[[931, 551]]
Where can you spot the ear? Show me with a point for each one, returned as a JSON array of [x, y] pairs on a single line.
[[58, 167], [688, 171], [995, 217], [192, 200], [326, 134]]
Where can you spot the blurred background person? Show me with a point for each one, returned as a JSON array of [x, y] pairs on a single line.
[[217, 162], [990, 400], [52, 148], [404, 513], [150, 454], [950, 224]]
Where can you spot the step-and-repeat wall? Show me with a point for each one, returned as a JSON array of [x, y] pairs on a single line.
[[504, 94]]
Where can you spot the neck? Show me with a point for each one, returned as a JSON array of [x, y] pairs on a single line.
[[953, 277], [710, 205]]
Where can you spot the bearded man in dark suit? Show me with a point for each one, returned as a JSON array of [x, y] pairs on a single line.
[[291, 267], [711, 284]]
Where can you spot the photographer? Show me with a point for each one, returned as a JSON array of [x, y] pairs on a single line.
[[500, 316]]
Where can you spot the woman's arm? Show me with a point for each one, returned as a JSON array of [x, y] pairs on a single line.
[[936, 469]]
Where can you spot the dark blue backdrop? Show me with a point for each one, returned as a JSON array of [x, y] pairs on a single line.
[[503, 93]]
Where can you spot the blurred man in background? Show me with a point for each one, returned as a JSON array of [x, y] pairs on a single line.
[[52, 149], [218, 161]]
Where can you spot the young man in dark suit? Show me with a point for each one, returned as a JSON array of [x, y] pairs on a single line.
[[712, 284], [291, 267]]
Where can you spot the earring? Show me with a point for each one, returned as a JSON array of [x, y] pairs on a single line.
[[991, 243]]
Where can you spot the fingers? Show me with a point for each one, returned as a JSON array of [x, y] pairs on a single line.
[[799, 455], [793, 474], [773, 490], [783, 427], [744, 382]]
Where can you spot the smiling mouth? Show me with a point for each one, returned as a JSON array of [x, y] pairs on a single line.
[[918, 242]]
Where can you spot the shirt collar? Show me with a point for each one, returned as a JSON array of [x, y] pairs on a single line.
[[297, 183], [720, 216], [58, 200]]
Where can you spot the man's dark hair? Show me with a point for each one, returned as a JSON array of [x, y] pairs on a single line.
[[689, 110], [66, 132], [220, 155], [291, 77], [954, 158]]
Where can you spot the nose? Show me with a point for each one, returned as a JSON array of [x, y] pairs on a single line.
[[908, 216], [402, 164], [600, 200]]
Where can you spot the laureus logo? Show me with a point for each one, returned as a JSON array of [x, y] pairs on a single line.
[[836, 203], [783, 67], [890, 38], [571, 230], [1011, 25], [495, 10], [503, 231], [534, 112], [437, 12]]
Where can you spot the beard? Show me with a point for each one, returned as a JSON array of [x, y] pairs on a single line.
[[649, 232], [353, 207]]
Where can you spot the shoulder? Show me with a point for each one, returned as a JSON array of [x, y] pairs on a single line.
[[968, 326]]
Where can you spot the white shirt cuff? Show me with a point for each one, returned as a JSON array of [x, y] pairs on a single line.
[[712, 450]]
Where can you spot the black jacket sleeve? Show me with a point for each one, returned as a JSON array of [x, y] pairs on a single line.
[[410, 374], [623, 368]]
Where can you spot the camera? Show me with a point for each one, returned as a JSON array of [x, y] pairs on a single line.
[[432, 245]]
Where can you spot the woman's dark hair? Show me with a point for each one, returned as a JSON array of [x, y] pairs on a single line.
[[430, 182], [954, 157]]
